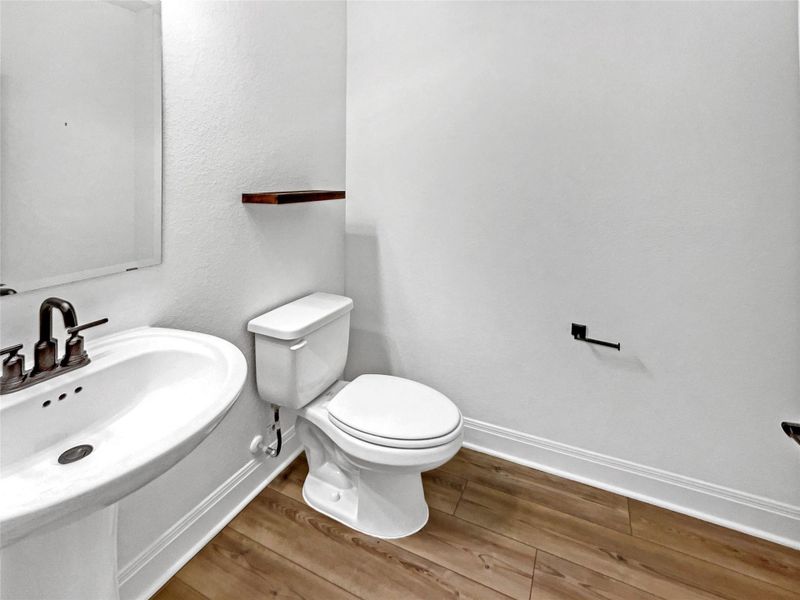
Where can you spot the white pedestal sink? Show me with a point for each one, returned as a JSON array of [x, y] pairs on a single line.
[[147, 399]]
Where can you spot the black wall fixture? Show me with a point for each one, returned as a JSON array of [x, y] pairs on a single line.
[[579, 333], [792, 430]]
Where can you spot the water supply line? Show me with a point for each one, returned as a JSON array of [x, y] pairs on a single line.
[[258, 445]]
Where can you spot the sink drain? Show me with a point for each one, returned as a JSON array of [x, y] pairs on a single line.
[[75, 453]]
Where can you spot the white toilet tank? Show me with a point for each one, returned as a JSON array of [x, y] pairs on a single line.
[[301, 348]]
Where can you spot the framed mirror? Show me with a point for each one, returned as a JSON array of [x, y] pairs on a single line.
[[80, 97]]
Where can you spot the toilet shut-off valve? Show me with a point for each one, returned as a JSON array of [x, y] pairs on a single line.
[[273, 449]]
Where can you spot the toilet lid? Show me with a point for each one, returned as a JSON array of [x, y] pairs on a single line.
[[392, 410]]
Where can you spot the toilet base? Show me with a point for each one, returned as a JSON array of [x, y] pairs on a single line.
[[382, 504], [382, 500], [371, 488]]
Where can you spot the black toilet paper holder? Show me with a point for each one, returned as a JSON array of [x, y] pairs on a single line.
[[579, 333]]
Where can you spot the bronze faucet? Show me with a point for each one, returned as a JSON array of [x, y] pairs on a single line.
[[46, 364], [46, 349]]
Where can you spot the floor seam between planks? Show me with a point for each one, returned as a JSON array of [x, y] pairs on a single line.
[[690, 557], [630, 519], [533, 576], [297, 564], [189, 585], [714, 564], [539, 551]]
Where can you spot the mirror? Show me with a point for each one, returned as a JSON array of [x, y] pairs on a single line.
[[81, 140]]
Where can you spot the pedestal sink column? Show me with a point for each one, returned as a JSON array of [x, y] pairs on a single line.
[[75, 560]]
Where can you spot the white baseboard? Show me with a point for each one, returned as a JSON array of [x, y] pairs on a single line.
[[748, 513], [144, 575]]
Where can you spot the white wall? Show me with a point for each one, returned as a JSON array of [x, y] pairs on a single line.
[[515, 167], [253, 101]]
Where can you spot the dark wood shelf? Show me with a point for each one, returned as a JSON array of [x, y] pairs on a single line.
[[292, 197]]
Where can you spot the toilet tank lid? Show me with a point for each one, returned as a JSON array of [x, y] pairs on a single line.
[[301, 317]]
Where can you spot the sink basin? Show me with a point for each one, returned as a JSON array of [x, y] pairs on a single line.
[[148, 397]]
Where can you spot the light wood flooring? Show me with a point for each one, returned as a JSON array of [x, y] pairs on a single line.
[[496, 530]]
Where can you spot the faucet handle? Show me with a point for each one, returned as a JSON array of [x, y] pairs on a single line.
[[78, 328], [13, 365], [74, 354], [11, 351]]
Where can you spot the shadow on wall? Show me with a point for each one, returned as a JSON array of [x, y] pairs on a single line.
[[370, 350], [625, 362]]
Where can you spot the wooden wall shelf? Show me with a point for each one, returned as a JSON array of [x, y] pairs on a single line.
[[292, 197]]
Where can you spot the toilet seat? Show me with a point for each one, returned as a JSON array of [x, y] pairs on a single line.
[[395, 412]]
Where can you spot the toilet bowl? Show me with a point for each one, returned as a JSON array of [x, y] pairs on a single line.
[[367, 441]]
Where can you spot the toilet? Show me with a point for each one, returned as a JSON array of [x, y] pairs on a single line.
[[367, 441]]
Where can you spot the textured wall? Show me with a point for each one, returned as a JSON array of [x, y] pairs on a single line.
[[514, 167], [253, 101]]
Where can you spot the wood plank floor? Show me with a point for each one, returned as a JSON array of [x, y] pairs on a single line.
[[497, 531]]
